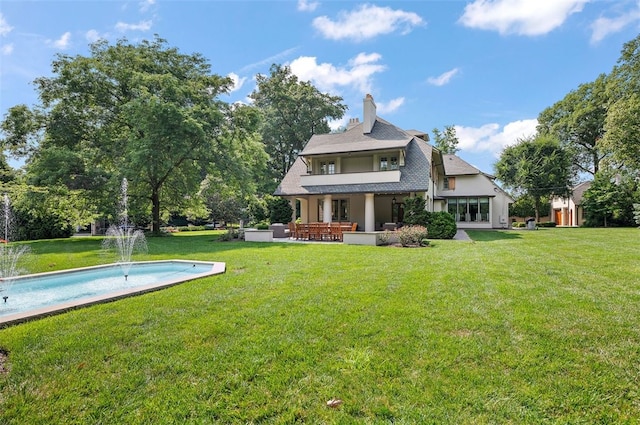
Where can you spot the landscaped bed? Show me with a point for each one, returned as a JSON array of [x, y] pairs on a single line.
[[516, 327]]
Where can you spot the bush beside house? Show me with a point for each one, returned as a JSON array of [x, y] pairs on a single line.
[[440, 224]]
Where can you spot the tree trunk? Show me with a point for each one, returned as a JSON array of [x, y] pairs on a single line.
[[155, 211]]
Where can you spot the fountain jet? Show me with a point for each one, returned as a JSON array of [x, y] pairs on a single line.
[[123, 236]]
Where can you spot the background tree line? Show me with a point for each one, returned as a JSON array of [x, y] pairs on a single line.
[[593, 133], [153, 115]]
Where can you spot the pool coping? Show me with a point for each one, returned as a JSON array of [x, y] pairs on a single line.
[[14, 319]]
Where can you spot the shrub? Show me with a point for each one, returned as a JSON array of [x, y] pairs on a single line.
[[230, 234], [442, 225], [262, 226], [280, 210], [517, 224], [547, 224], [412, 235], [415, 212]]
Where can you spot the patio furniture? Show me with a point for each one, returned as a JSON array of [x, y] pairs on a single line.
[[278, 230]]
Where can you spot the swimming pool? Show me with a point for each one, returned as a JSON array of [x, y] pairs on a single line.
[[42, 294]]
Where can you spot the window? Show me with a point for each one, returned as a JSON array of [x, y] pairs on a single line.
[[449, 183], [473, 209], [469, 209], [484, 209], [327, 167], [383, 163], [340, 210], [452, 207], [393, 164], [462, 210]]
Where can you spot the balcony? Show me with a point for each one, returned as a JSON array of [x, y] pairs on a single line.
[[350, 178]]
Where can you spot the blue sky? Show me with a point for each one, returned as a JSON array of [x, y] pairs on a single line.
[[489, 67]]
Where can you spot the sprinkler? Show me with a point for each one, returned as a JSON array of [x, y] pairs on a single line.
[[5, 298], [126, 276]]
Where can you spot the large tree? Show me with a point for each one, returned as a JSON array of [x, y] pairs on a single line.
[[142, 111], [609, 200], [293, 111], [578, 122], [622, 125], [538, 167], [446, 140]]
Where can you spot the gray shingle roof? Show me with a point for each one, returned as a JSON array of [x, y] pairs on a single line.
[[456, 166], [414, 175], [383, 136], [579, 190]]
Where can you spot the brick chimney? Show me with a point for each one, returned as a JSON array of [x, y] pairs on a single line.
[[369, 114]]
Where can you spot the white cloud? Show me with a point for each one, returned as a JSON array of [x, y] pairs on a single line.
[[61, 43], [6, 49], [390, 106], [278, 57], [522, 17], [602, 26], [492, 138], [92, 36], [140, 26], [328, 77], [368, 21], [5, 28], [444, 78], [238, 82], [146, 5], [338, 124], [307, 6]]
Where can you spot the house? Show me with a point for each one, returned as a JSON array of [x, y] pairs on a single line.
[[364, 174], [569, 211], [473, 197]]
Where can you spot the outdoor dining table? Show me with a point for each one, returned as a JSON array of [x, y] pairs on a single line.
[[320, 231]]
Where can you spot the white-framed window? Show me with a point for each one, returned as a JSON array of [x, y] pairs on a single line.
[[384, 163], [327, 167], [469, 209]]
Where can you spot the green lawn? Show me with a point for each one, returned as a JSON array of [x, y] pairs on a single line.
[[514, 327]]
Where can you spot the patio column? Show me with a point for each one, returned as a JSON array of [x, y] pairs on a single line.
[[304, 210], [292, 203], [369, 213], [326, 209]]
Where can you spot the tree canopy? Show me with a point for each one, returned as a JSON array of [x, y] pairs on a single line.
[[578, 122], [293, 111], [142, 111], [538, 167], [446, 141]]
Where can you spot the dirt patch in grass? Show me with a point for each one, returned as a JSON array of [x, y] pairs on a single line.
[[4, 361]]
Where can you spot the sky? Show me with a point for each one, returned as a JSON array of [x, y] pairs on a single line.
[[487, 67]]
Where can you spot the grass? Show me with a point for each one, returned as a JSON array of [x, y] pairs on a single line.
[[514, 327]]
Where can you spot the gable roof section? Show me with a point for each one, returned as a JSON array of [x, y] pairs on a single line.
[[578, 192], [456, 166], [383, 136], [414, 176]]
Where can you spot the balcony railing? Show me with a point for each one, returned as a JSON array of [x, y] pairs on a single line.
[[350, 178]]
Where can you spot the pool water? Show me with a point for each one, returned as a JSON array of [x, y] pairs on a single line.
[[48, 292]]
